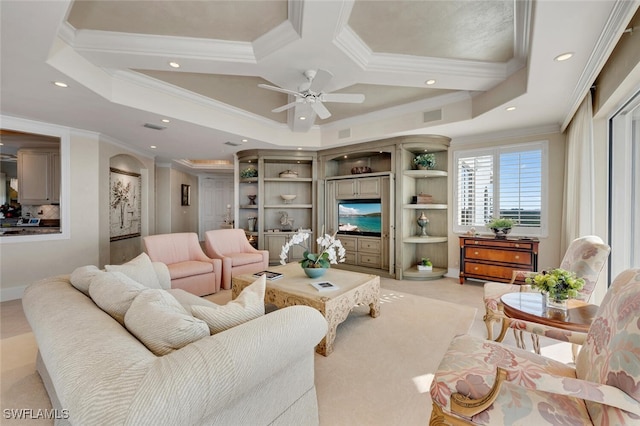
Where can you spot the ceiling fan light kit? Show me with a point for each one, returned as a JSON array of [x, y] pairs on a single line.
[[310, 93]]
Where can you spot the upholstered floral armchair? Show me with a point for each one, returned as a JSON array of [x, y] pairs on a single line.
[[487, 383], [585, 256]]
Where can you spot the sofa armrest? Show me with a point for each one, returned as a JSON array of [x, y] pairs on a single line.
[[214, 372]]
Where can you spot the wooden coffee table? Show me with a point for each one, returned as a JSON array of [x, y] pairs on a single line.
[[531, 306], [335, 306]]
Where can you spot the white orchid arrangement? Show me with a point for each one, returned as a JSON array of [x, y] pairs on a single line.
[[332, 250]]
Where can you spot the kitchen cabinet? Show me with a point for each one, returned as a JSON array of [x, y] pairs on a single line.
[[38, 176], [493, 259]]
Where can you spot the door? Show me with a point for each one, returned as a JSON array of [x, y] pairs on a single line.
[[216, 193]]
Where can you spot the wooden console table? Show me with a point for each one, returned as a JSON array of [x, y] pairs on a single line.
[[493, 259]]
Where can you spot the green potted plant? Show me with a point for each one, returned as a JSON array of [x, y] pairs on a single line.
[[425, 264], [425, 161], [501, 226]]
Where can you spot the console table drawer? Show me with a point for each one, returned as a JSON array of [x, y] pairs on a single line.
[[515, 257], [372, 260], [504, 244], [490, 272], [369, 246]]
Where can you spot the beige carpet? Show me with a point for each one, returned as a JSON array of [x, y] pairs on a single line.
[[379, 372]]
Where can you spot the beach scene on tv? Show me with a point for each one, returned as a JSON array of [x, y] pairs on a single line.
[[359, 217]]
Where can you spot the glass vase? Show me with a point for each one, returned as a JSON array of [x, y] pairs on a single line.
[[556, 303]]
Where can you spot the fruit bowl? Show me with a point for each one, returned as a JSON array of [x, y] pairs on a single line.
[[288, 198]]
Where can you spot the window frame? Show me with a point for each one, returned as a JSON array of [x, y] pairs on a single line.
[[543, 145]]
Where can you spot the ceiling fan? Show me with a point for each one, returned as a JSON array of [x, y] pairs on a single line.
[[310, 93]]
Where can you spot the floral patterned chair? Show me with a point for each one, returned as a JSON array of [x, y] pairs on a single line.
[[482, 382], [585, 256]]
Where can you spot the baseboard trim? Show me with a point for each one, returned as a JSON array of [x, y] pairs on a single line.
[[11, 293]]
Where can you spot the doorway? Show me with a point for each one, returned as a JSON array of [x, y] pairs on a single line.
[[216, 203]]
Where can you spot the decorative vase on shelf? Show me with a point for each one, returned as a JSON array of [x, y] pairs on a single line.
[[422, 222], [314, 272], [252, 223]]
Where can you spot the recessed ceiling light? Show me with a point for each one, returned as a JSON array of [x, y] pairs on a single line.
[[563, 57], [303, 118], [511, 108], [166, 120], [174, 64], [299, 148], [430, 82], [153, 147], [60, 84], [245, 140]]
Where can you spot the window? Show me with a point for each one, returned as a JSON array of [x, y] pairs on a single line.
[[507, 181], [624, 192]]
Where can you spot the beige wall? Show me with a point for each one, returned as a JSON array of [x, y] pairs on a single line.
[[549, 248], [172, 216]]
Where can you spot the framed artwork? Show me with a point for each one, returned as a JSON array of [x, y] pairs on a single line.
[[186, 195], [125, 204]]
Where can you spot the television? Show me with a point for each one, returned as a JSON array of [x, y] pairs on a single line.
[[360, 218]]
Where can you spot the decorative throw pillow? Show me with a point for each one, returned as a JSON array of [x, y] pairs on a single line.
[[188, 300], [139, 269], [158, 320], [81, 277], [114, 292], [162, 272], [247, 306]]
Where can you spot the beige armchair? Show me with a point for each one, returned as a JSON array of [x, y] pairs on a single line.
[[237, 255], [488, 383], [190, 269]]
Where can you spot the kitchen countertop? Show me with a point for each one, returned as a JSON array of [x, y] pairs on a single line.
[[28, 230]]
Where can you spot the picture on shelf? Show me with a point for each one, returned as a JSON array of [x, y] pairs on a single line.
[[360, 217]]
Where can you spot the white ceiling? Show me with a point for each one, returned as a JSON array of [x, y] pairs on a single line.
[[484, 56]]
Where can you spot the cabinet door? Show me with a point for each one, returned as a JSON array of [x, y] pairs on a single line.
[[345, 189], [274, 244], [368, 188], [33, 177]]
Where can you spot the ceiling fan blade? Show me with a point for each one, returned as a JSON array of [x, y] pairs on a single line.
[[284, 107], [350, 98], [321, 110], [279, 89], [320, 80]]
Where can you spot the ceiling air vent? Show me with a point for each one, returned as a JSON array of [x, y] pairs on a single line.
[[345, 133], [428, 116], [154, 126], [232, 143]]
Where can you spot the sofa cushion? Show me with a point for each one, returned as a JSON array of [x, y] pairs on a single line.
[[81, 277], [187, 300], [139, 269], [189, 268], [114, 292], [247, 306], [158, 320]]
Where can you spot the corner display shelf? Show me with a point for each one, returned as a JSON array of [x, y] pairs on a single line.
[[279, 173], [414, 247]]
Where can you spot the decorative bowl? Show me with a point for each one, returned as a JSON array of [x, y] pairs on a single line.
[[288, 197], [289, 174]]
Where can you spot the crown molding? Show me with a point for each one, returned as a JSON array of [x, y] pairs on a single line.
[[274, 40], [622, 12], [505, 135]]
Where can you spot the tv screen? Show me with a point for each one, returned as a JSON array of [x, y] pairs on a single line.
[[360, 218]]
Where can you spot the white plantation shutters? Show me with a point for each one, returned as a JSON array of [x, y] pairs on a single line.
[[508, 181]]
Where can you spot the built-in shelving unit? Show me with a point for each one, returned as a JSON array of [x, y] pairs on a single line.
[[288, 173], [413, 183]]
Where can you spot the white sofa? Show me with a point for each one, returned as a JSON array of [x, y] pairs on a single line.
[[258, 373]]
